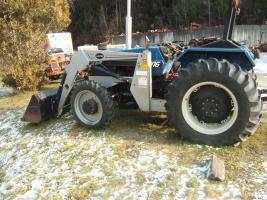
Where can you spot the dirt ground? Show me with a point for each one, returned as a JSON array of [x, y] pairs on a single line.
[[135, 158]]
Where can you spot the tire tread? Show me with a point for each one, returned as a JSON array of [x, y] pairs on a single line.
[[246, 80]]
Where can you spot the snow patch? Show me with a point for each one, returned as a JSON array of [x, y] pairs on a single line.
[[261, 194], [45, 162], [261, 64], [5, 92], [265, 165]]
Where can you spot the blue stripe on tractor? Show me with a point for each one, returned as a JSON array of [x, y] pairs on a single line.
[[156, 57], [241, 56]]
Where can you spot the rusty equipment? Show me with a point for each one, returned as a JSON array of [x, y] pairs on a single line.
[[56, 66], [263, 47], [202, 41]]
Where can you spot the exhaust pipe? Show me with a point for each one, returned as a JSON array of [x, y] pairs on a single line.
[[128, 27], [230, 19]]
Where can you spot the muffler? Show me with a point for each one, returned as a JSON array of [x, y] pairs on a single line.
[[42, 106]]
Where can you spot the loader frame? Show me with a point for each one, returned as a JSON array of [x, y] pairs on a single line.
[[141, 82]]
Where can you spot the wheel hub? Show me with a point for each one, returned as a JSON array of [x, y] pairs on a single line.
[[211, 105], [90, 107]]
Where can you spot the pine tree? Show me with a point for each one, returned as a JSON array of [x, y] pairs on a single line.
[[23, 25]]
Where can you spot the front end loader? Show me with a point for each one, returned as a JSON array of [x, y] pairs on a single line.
[[209, 93]]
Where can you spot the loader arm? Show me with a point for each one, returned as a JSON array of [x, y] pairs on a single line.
[[48, 104], [79, 62], [82, 60]]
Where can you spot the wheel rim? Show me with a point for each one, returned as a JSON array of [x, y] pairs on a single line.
[[79, 101], [201, 126]]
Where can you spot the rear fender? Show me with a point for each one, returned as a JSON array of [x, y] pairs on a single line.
[[233, 55]]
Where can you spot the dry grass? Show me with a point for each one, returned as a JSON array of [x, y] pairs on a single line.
[[128, 155]]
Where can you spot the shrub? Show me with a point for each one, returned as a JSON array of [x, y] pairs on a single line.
[[24, 78]]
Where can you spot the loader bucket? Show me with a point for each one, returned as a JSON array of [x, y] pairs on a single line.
[[42, 106]]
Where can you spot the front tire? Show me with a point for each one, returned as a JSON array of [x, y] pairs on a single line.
[[214, 102], [91, 104]]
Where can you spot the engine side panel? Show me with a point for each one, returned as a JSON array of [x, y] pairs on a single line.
[[160, 61]]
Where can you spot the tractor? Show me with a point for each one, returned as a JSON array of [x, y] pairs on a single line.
[[57, 63], [209, 92]]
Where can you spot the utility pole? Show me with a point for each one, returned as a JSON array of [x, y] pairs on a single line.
[[209, 13], [128, 26]]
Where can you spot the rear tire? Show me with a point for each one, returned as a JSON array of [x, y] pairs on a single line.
[[91, 104], [232, 117]]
